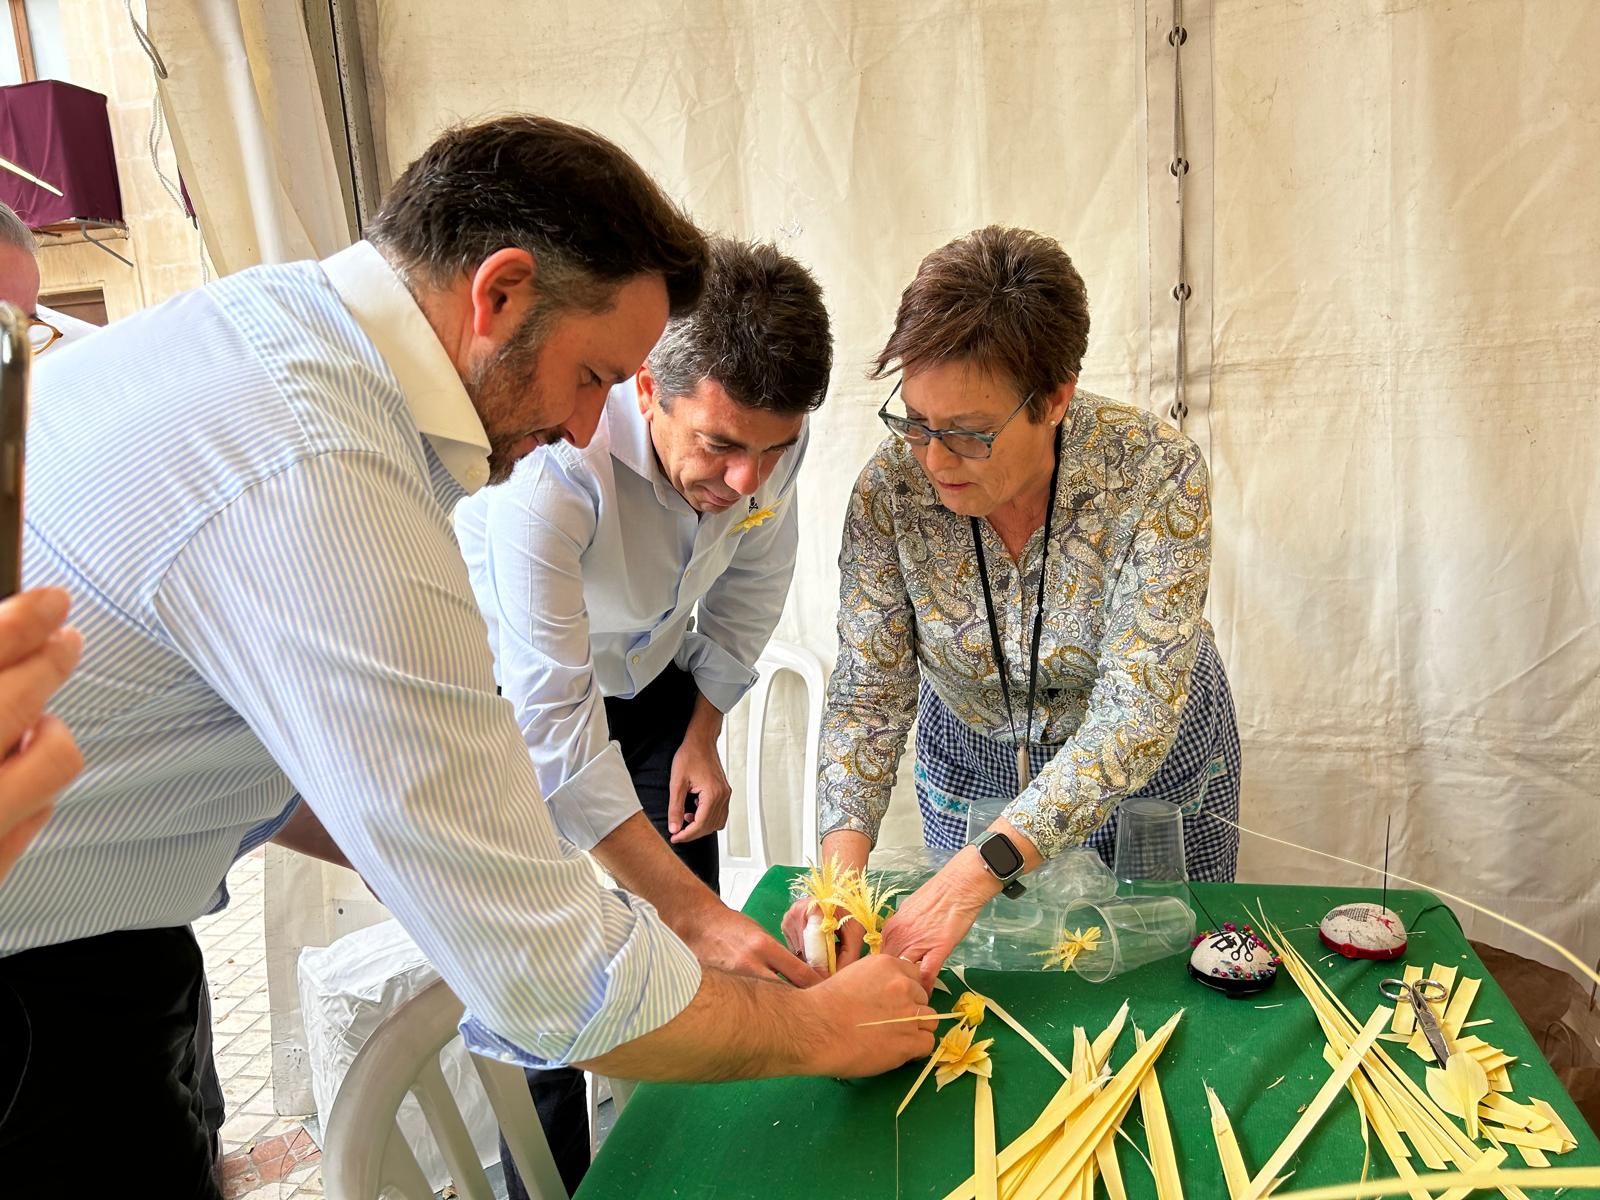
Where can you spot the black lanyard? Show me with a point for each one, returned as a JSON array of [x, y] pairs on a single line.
[[1024, 768]]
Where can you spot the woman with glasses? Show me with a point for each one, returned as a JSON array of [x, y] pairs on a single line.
[[1024, 574]]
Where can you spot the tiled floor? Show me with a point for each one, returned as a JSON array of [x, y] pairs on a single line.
[[265, 1156]]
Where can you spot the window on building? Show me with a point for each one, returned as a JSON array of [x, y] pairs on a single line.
[[87, 304], [31, 44]]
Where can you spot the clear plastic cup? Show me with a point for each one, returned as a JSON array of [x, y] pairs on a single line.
[[1077, 874], [1149, 857], [1009, 935], [1014, 934], [983, 812], [1134, 930]]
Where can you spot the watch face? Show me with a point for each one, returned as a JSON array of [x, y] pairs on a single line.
[[1003, 858]]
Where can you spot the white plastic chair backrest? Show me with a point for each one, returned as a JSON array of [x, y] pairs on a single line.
[[363, 1150], [740, 873]]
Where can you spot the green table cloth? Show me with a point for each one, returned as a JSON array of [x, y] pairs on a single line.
[[805, 1137]]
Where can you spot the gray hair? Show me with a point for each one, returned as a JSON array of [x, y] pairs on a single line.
[[14, 233]]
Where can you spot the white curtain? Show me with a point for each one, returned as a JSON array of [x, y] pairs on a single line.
[[1396, 260], [247, 125], [1407, 441], [248, 129]]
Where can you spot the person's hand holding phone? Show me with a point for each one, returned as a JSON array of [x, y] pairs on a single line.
[[16, 355], [39, 756]]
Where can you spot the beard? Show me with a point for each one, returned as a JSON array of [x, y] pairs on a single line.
[[506, 391]]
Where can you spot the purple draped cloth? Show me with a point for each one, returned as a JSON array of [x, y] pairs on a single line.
[[59, 132]]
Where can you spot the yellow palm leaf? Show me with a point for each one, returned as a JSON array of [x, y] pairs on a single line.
[[1065, 952]]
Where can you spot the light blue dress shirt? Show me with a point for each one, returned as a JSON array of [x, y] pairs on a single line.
[[594, 574], [247, 493]]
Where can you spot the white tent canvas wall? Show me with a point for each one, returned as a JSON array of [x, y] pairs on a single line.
[[1391, 238], [1394, 348]]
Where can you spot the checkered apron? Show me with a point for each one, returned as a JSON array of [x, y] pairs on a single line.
[[1200, 774]]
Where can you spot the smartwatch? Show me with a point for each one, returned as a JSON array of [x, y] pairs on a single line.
[[1004, 861]]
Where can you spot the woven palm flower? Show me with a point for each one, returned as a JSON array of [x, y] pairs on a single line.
[[958, 1053], [827, 884], [970, 1008], [865, 905], [1065, 952]]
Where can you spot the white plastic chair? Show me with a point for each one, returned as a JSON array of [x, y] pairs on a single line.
[[740, 873], [364, 1154]]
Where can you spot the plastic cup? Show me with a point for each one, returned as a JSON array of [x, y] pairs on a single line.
[[983, 812], [1134, 930], [1077, 874], [1014, 934], [1149, 857], [1008, 935]]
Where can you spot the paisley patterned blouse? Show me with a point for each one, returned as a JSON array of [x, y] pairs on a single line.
[[1129, 565]]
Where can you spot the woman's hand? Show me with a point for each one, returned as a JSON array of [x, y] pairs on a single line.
[[850, 849], [929, 922]]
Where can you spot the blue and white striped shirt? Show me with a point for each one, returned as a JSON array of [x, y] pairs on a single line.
[[247, 492]]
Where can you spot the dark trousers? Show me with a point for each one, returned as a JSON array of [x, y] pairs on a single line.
[[111, 1017], [212, 1104], [649, 728]]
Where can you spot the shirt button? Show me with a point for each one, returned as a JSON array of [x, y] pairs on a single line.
[[478, 474], [634, 660]]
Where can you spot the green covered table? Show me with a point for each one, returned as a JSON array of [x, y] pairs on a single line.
[[802, 1137]]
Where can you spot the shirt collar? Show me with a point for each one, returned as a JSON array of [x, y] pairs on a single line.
[[388, 314], [629, 435]]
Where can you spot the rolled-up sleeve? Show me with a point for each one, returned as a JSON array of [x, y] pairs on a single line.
[[329, 606], [872, 694]]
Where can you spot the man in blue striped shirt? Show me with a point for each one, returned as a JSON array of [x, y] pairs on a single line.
[[247, 493]]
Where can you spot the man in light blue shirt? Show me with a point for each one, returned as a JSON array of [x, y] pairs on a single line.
[[246, 491], [51, 332], [629, 587]]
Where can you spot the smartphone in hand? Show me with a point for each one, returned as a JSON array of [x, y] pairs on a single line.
[[15, 355]]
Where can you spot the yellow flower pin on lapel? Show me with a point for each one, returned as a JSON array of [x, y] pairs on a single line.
[[758, 516]]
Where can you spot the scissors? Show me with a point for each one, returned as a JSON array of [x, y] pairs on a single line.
[[1417, 995]]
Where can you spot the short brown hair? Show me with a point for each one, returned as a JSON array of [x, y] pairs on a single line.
[[589, 215], [1007, 300], [760, 331]]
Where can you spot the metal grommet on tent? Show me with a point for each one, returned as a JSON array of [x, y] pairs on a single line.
[[1178, 167]]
